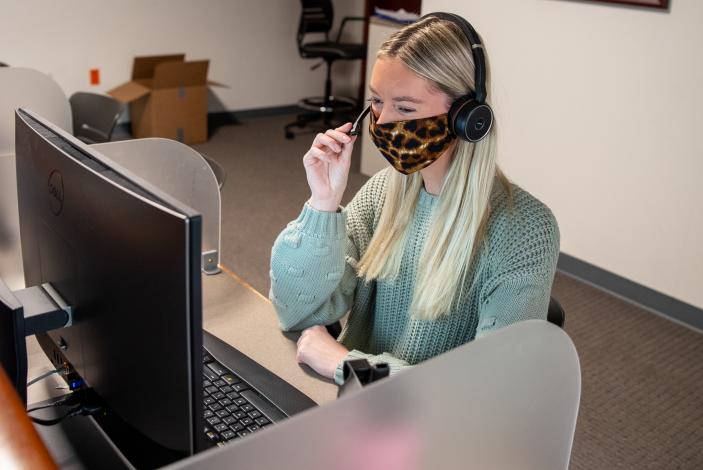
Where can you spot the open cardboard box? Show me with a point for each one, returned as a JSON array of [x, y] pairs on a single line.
[[167, 97]]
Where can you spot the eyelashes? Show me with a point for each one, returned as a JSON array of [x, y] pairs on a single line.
[[376, 103]]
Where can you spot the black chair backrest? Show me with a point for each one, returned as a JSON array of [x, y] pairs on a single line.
[[555, 313], [94, 116], [317, 16]]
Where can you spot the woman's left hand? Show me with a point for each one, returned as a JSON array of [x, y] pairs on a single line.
[[318, 349]]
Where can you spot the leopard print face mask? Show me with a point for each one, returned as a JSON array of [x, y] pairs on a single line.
[[414, 144]]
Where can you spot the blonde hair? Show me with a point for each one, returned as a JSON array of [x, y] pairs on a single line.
[[438, 51]]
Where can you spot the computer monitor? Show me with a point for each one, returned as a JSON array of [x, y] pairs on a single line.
[[126, 258]]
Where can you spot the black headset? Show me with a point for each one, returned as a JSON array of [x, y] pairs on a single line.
[[470, 118]]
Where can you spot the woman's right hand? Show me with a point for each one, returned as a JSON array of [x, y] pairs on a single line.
[[327, 167]]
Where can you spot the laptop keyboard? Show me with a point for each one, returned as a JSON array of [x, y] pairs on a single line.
[[228, 410]]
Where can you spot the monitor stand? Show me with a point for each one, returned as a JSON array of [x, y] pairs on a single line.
[[26, 312]]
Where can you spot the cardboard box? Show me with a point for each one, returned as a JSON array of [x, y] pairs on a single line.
[[167, 97]]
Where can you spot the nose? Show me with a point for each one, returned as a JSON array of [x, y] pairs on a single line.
[[383, 117]]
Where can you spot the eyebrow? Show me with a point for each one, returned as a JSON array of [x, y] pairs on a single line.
[[400, 98]]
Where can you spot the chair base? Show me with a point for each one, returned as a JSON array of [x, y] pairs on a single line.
[[331, 105], [330, 113]]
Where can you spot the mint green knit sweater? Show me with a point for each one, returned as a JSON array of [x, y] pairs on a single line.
[[314, 282]]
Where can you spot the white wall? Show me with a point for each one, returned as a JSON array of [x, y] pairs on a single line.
[[251, 44], [600, 114]]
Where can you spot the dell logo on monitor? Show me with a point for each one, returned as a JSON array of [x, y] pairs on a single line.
[[55, 192]]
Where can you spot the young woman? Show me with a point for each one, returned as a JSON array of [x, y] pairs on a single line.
[[431, 253]]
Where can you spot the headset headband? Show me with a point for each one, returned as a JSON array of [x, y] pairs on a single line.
[[476, 50]]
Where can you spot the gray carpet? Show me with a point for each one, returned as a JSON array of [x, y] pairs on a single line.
[[642, 375]]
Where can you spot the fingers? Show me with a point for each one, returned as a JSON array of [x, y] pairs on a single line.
[[333, 143], [334, 139], [344, 130], [308, 331], [323, 155], [328, 141], [299, 354], [303, 334], [304, 342], [339, 135], [346, 127]]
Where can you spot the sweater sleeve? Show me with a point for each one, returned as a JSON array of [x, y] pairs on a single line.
[[395, 365], [313, 261], [311, 283], [521, 284]]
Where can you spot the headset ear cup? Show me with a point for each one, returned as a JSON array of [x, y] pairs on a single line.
[[469, 119]]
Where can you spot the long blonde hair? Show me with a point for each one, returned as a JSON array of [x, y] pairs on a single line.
[[438, 51]]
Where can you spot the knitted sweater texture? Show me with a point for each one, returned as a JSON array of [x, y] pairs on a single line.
[[314, 281]]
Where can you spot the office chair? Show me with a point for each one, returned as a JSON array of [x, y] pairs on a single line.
[[94, 116], [555, 313], [317, 17]]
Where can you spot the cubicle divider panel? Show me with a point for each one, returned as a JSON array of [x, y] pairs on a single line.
[[21, 87], [508, 400], [182, 173]]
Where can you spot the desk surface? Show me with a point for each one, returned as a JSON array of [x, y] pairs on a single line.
[[237, 314]]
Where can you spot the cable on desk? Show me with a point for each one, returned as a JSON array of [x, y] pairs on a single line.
[[45, 375], [60, 402], [80, 409], [50, 422]]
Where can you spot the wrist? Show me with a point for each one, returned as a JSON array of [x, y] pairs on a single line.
[[337, 362], [324, 205]]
